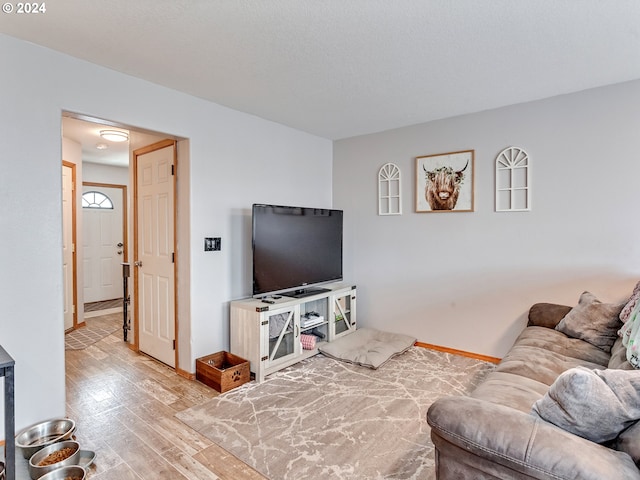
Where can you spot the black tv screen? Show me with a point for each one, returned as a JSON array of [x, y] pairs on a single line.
[[295, 248]]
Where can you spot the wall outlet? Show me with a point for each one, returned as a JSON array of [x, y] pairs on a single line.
[[212, 244]]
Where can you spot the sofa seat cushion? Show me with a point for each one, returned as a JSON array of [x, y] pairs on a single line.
[[510, 390]]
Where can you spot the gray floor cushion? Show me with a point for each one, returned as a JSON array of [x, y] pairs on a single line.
[[368, 347]]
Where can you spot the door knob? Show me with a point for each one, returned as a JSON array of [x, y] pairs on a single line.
[[119, 252], [120, 245], [137, 264]]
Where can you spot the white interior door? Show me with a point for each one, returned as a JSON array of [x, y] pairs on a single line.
[[103, 244], [68, 247], [154, 256]]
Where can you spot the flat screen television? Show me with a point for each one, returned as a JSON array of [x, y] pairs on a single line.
[[295, 249]]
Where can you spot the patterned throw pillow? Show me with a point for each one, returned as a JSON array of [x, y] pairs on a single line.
[[626, 310], [630, 335]]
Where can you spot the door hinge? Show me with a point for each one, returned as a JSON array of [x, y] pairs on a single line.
[[174, 344], [173, 169], [73, 248], [173, 257], [73, 309]]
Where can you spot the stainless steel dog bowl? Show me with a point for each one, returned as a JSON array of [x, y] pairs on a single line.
[[33, 438], [36, 471], [72, 471]]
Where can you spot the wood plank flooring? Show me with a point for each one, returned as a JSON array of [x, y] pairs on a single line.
[[124, 405]]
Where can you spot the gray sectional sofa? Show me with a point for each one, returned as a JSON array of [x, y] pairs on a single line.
[[493, 434]]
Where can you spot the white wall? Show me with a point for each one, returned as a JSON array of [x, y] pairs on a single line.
[[466, 280], [94, 172], [235, 159]]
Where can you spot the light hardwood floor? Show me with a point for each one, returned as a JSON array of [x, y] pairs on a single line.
[[124, 405]]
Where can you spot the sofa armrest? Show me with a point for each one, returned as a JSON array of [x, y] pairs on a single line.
[[546, 314], [523, 443]]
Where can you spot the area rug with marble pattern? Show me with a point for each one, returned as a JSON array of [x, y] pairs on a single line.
[[323, 418]]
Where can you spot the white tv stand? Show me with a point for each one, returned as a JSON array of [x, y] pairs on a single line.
[[268, 334]]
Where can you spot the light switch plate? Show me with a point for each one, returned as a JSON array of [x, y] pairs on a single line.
[[212, 244]]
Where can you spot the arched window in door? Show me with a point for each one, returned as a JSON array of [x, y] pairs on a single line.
[[95, 199], [513, 180], [389, 190]]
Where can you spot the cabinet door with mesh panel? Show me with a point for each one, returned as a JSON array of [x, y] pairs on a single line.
[[281, 336], [343, 314]]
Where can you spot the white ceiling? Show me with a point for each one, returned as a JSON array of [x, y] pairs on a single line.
[[339, 68], [87, 134]]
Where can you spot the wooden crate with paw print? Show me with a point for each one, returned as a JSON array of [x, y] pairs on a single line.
[[222, 371]]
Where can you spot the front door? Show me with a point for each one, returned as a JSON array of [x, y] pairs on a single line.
[[154, 245], [103, 241]]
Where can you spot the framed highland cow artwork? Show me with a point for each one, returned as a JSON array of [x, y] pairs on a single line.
[[444, 182]]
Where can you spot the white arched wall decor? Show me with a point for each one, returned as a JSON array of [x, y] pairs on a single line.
[[513, 180], [389, 190]]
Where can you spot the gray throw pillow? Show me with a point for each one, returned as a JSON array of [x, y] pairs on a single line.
[[593, 321], [594, 404]]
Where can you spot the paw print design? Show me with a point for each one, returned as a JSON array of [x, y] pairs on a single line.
[[235, 376]]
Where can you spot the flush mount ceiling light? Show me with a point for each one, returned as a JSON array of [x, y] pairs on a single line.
[[114, 135]]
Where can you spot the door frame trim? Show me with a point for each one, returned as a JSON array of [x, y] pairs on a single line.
[[74, 253], [136, 326]]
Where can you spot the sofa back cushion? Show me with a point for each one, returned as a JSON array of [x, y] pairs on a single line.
[[619, 356]]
